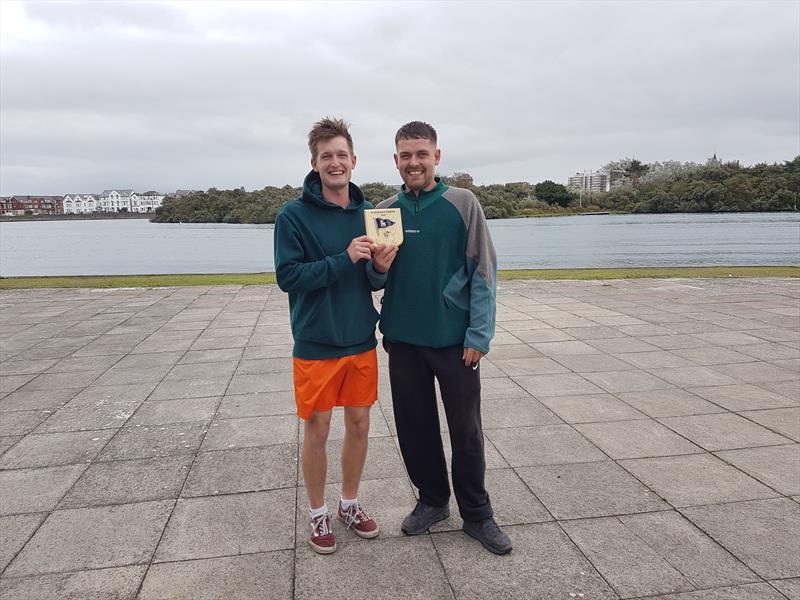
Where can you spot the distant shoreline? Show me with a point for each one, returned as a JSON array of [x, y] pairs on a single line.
[[134, 281], [576, 213], [76, 217]]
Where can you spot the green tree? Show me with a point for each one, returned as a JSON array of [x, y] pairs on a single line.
[[553, 193]]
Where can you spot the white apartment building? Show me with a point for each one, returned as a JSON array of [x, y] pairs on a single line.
[[589, 182], [146, 202], [77, 204], [115, 201]]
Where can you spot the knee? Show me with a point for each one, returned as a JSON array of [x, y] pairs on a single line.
[[316, 434], [358, 426]]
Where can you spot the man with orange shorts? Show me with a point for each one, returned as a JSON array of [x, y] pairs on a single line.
[[329, 268]]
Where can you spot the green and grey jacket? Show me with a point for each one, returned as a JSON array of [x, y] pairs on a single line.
[[441, 289], [330, 299]]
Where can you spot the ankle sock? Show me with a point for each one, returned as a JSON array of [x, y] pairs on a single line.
[[348, 503], [318, 512]]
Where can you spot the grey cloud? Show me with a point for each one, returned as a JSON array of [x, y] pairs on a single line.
[[199, 95]]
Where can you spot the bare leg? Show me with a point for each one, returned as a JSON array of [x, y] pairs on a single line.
[[315, 459], [354, 449]]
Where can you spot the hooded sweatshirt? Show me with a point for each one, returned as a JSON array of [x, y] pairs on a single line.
[[330, 300]]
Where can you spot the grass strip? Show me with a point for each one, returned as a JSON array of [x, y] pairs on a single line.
[[130, 281]]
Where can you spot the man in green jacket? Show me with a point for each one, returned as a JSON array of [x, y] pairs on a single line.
[[438, 318], [329, 268]]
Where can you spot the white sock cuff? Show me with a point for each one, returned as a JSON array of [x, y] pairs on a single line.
[[318, 512]]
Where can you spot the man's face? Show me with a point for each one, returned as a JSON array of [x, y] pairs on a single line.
[[417, 160], [334, 163]]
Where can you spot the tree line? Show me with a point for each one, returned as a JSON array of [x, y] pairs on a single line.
[[665, 187]]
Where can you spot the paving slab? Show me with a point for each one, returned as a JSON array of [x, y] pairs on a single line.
[[185, 410], [227, 525], [636, 439], [243, 470], [119, 583], [147, 441], [631, 566], [84, 417], [260, 575], [785, 421], [22, 422], [669, 402], [788, 587], [15, 531], [516, 412], [760, 533], [547, 445], [696, 479], [129, 481], [257, 404], [52, 449], [566, 384], [36, 490], [589, 490], [175, 389], [591, 408], [752, 591], [545, 563], [776, 466], [36, 400], [399, 568], [251, 431], [744, 397], [696, 556], [724, 431], [93, 538]]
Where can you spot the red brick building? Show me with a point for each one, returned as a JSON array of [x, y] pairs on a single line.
[[47, 205]]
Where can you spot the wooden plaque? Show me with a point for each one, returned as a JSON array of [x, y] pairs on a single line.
[[384, 225]]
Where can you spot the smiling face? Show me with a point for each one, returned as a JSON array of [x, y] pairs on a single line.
[[416, 159], [334, 162]]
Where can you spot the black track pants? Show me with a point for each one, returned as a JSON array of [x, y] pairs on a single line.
[[412, 370]]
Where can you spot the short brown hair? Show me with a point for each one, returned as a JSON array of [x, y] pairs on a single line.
[[327, 129], [416, 130]]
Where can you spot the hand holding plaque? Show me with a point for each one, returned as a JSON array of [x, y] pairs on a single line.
[[384, 226]]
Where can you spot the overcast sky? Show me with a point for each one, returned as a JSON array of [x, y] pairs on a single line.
[[167, 95]]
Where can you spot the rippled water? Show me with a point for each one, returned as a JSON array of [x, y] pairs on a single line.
[[134, 246]]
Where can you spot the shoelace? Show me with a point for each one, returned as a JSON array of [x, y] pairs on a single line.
[[355, 514], [320, 525]]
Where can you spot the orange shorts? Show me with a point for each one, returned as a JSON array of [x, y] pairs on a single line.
[[319, 385]]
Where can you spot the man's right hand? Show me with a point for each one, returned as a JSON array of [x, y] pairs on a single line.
[[360, 247]]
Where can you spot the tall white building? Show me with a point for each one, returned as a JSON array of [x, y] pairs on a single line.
[[589, 182]]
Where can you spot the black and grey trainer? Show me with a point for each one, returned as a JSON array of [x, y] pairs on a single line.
[[422, 517], [489, 534]]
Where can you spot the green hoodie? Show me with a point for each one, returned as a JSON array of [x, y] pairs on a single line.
[[330, 300]]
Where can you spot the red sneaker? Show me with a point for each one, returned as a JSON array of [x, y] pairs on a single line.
[[322, 539], [359, 521]]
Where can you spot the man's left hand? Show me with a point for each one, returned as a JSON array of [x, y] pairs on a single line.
[[382, 257], [472, 357]]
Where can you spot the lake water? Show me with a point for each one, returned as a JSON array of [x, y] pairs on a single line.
[[136, 246]]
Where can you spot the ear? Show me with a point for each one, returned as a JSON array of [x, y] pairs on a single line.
[[437, 156], [314, 165], [396, 163], [355, 160]]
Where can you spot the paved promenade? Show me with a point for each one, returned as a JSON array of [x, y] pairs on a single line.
[[641, 440]]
